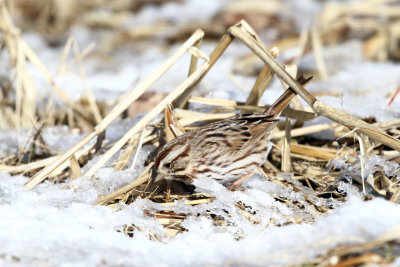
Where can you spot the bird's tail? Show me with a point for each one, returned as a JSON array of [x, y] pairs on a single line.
[[284, 100]]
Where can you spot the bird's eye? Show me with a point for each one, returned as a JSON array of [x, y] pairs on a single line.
[[167, 165]]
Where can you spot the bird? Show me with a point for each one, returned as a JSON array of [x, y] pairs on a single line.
[[227, 151]]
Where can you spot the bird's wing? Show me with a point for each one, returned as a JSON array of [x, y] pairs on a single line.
[[248, 129]]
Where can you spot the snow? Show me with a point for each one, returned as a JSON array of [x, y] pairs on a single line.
[[374, 163], [58, 139], [355, 85], [57, 225], [191, 11]]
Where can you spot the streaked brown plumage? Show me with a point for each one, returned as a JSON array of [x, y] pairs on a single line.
[[225, 150]]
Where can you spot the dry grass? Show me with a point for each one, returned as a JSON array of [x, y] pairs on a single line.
[[293, 151]]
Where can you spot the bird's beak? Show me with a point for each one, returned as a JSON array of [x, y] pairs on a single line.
[[156, 177]]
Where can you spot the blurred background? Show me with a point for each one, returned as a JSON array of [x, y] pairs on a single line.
[[56, 53]]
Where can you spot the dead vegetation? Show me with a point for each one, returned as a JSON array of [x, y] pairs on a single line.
[[294, 150]]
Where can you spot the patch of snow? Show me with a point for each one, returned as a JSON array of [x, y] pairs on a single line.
[[54, 226]]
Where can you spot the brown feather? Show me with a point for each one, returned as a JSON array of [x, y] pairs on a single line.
[[283, 101], [225, 150]]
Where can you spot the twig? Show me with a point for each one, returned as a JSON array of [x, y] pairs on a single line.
[[243, 32], [123, 105], [147, 118], [143, 177]]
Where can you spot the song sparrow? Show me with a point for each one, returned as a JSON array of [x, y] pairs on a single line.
[[224, 150]]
